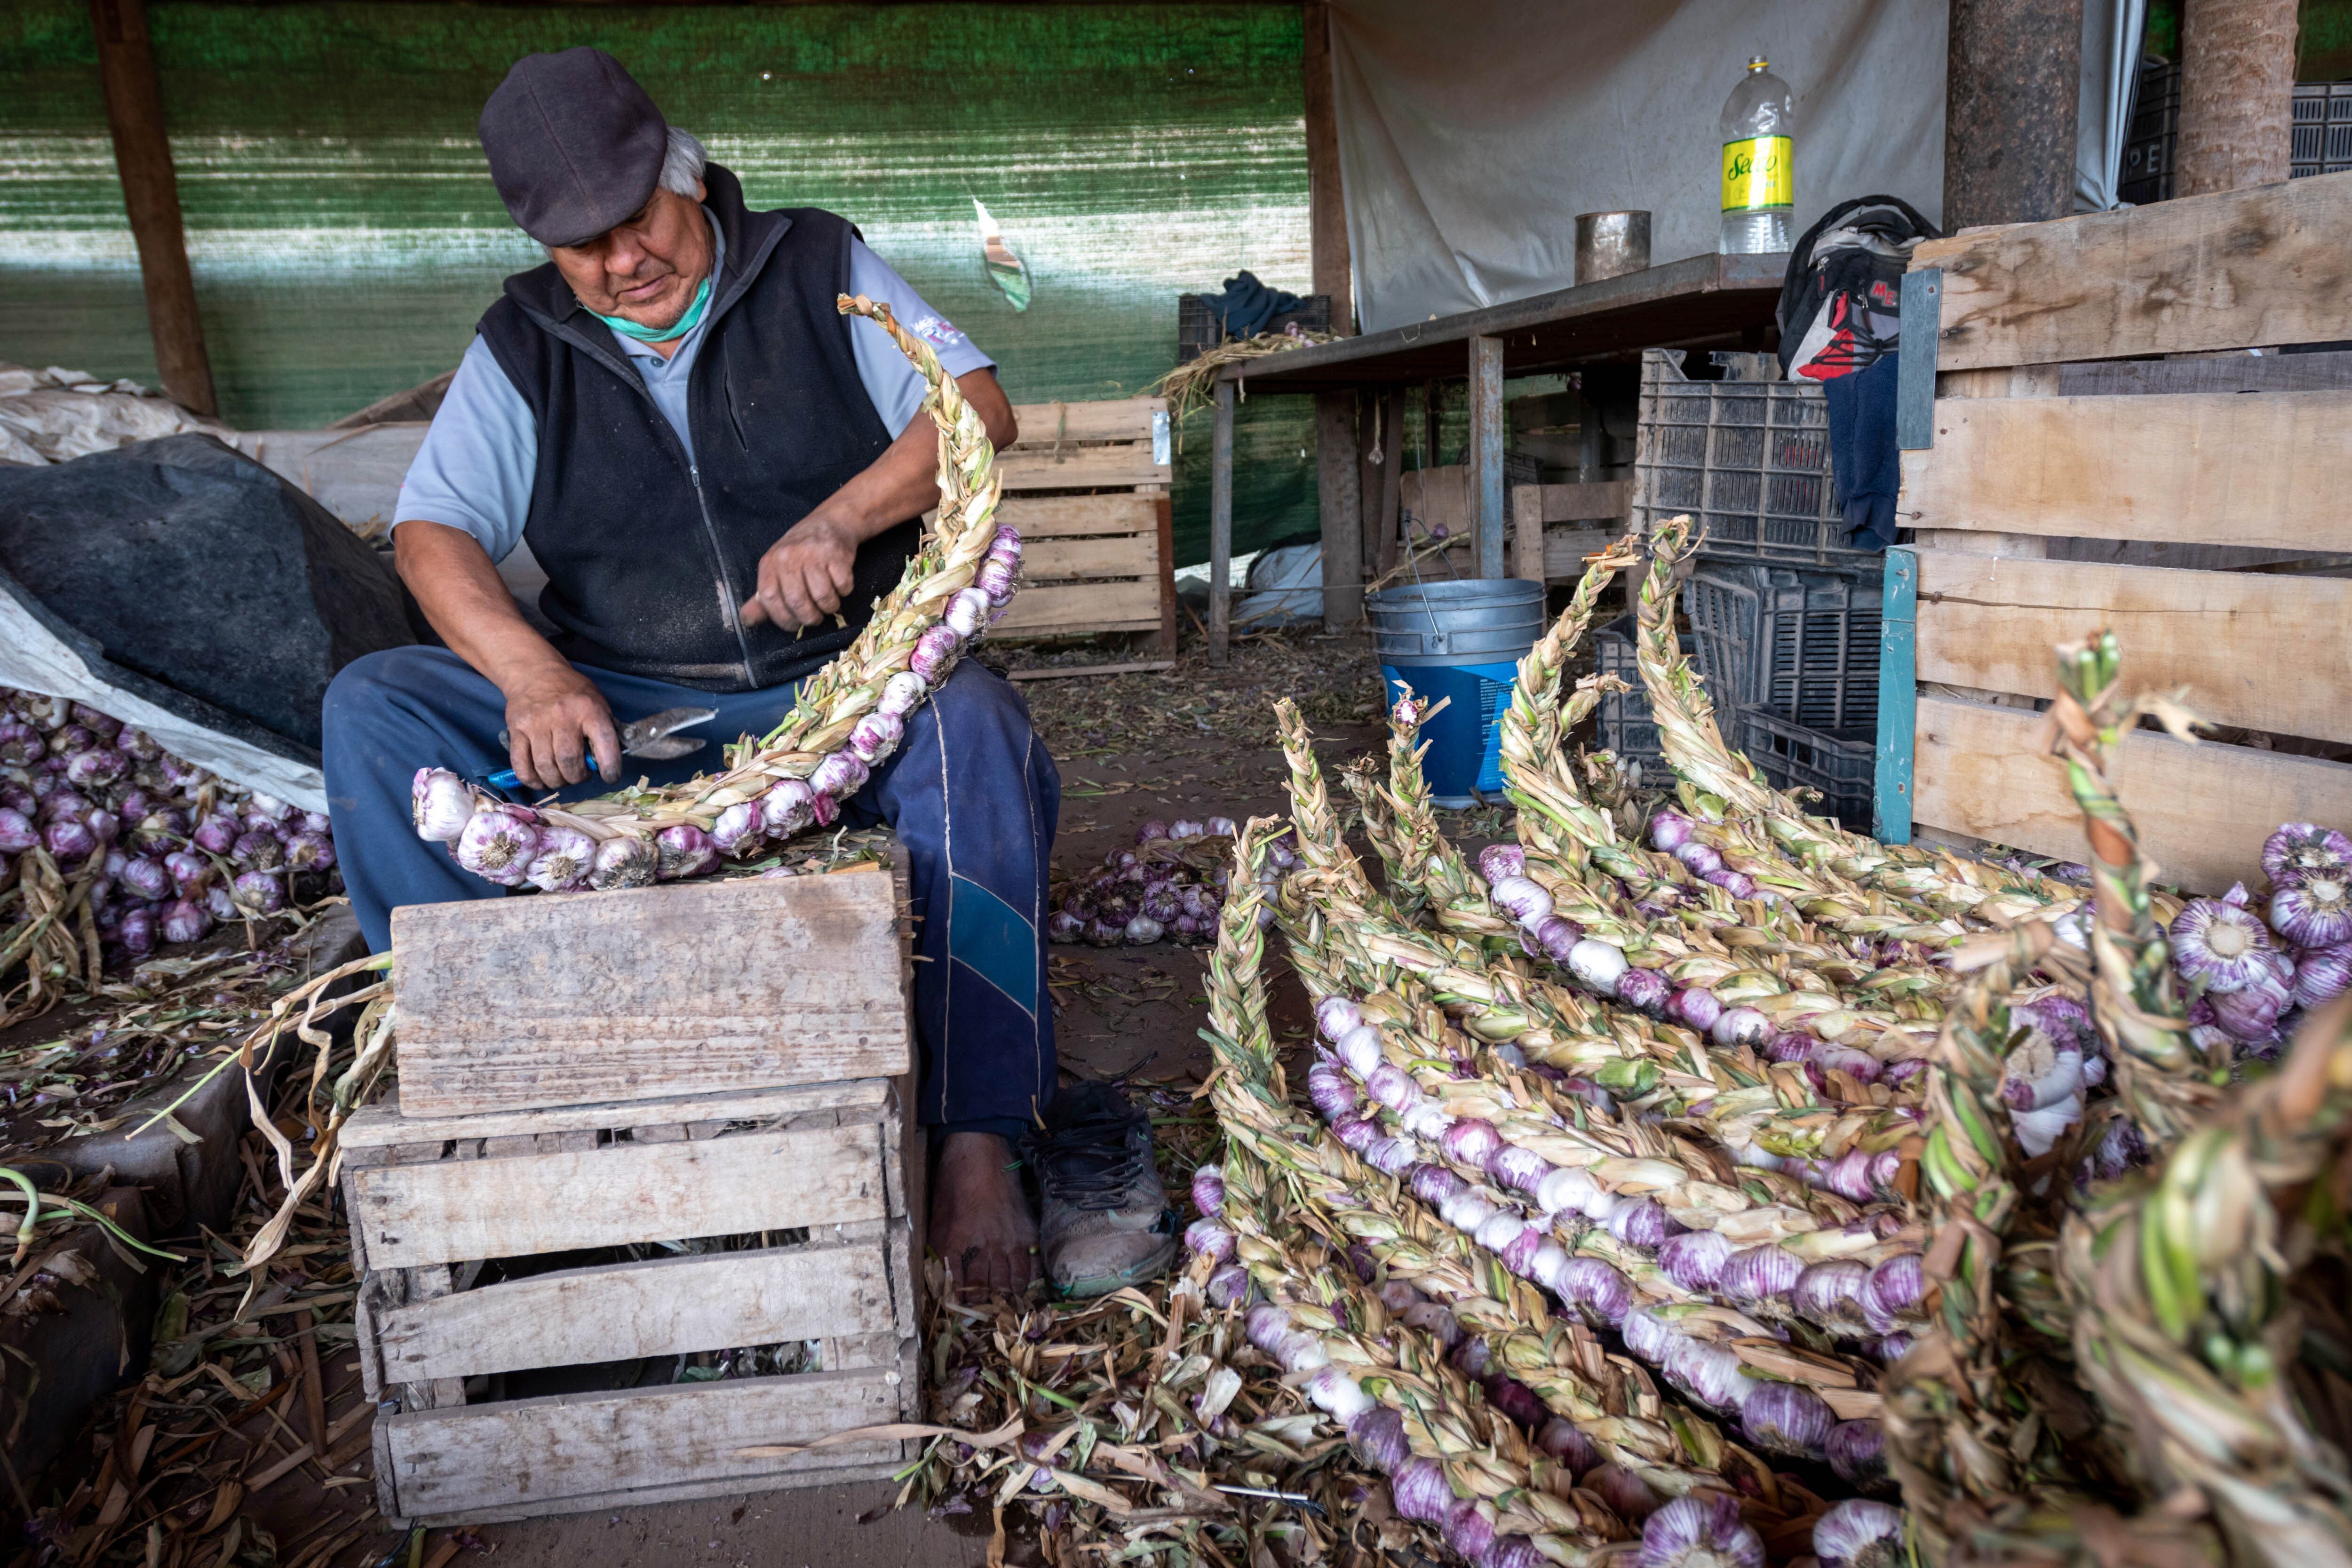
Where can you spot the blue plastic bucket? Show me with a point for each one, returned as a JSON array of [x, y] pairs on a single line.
[[1462, 640]]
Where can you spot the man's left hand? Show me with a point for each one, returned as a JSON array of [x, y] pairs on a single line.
[[804, 575]]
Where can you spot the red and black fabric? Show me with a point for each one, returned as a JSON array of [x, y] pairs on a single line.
[[1842, 300]]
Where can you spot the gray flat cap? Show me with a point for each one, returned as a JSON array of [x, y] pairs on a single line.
[[574, 144]]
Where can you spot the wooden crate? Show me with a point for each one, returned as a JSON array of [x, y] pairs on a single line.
[[589, 998], [1086, 484], [2052, 498], [433, 1199]]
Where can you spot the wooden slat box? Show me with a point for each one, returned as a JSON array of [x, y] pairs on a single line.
[[1086, 484], [432, 1199], [585, 998], [2052, 498]]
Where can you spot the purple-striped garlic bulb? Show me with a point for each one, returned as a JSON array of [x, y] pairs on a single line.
[[1701, 858], [496, 844], [1831, 1293], [901, 694], [1645, 989], [1740, 1027], [683, 850], [137, 931], [1695, 1260], [69, 839], [1209, 1188], [787, 807], [995, 579], [739, 828], [1785, 1417], [17, 832], [967, 612], [2321, 975], [1700, 1529], [2300, 849], [260, 850], [1336, 1014], [933, 652], [189, 871], [1859, 1534], [2215, 940], [1521, 899], [1765, 1272], [1206, 1238], [184, 920], [624, 860], [564, 858], [1500, 861], [839, 775], [2315, 910], [308, 851], [258, 893], [145, 879], [438, 803]]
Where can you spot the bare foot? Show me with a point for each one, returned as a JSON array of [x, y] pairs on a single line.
[[981, 1222]]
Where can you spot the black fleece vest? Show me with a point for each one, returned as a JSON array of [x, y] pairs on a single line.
[[648, 554]]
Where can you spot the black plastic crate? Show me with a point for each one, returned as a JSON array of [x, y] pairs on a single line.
[[1199, 330], [2321, 139], [1749, 461], [1802, 644], [1795, 756]]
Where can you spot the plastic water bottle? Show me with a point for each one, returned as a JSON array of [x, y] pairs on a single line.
[[1760, 165]]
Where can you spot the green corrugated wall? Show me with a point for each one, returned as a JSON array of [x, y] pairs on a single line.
[[345, 235]]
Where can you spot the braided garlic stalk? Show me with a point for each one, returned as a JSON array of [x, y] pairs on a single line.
[[2183, 1323], [1583, 1434], [1936, 885], [846, 719]]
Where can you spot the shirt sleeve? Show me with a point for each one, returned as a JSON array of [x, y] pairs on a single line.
[[894, 385], [474, 471]]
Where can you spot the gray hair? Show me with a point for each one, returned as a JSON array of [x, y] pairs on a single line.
[[682, 163]]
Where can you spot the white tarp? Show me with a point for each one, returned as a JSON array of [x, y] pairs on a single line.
[[1471, 134]]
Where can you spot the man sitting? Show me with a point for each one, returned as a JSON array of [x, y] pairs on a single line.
[[719, 472]]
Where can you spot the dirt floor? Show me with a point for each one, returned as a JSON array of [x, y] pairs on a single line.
[[1192, 741]]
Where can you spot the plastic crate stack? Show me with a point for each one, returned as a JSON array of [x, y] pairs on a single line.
[[1784, 619]]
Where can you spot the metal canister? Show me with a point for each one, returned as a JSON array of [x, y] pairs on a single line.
[[1609, 245]]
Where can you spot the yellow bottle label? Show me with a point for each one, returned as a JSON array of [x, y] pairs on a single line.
[[1760, 172]]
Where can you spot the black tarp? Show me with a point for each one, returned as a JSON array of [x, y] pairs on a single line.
[[225, 592]]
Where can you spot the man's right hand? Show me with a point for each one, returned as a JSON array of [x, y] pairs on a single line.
[[554, 720]]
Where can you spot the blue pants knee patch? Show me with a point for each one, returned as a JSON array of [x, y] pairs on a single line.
[[994, 941]]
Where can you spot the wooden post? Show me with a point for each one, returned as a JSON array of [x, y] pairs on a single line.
[[1527, 532], [2012, 105], [2237, 94], [1326, 209], [1486, 456], [151, 195], [1339, 490], [1221, 523], [1383, 505]]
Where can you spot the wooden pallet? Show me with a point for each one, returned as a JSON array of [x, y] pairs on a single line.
[[432, 1199], [2042, 516], [1086, 484]]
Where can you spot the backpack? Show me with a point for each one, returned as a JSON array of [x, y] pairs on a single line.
[[1842, 301]]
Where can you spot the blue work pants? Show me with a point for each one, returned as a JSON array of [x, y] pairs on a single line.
[[970, 792]]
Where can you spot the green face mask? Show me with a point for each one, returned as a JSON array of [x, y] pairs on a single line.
[[686, 323]]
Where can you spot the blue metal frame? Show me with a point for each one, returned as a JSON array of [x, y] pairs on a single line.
[[1914, 372], [1898, 696]]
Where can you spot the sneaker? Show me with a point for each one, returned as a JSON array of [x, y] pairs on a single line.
[[1104, 1220]]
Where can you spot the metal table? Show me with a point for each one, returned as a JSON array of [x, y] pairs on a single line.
[[1702, 300]]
